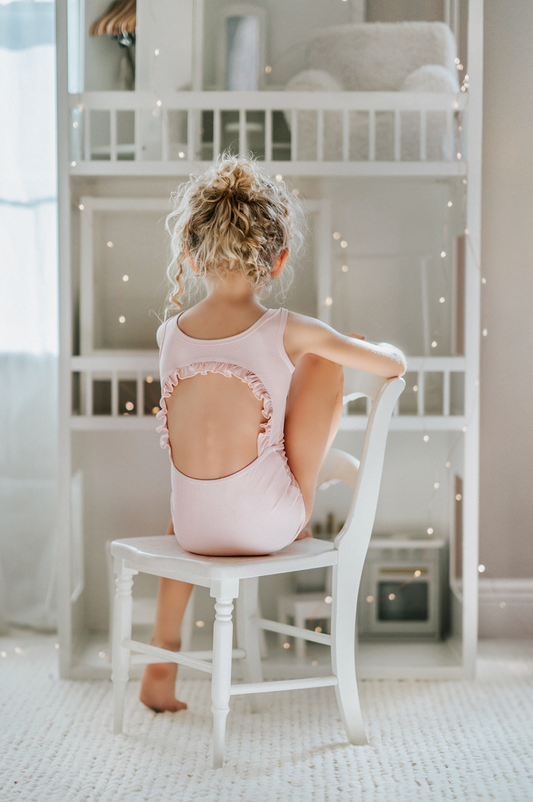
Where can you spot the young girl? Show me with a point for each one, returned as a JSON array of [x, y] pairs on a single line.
[[251, 397]]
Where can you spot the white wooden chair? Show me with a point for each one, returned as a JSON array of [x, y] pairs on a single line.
[[229, 578]]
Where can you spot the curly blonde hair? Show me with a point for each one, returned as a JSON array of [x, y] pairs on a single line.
[[233, 217]]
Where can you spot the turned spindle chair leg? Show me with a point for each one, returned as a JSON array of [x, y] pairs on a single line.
[[221, 679], [248, 634], [121, 629], [343, 656]]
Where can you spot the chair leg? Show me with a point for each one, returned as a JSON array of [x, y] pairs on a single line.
[[248, 634], [221, 680], [343, 657], [121, 630]]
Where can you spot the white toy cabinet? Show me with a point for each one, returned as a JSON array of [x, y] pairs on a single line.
[[378, 127]]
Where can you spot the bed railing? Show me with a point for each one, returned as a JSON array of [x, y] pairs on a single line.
[[295, 128]]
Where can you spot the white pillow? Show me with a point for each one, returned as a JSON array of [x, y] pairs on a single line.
[[431, 78], [316, 81], [313, 81]]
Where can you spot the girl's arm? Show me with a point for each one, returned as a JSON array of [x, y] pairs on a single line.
[[305, 335]]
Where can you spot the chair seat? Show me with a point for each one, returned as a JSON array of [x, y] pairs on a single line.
[[162, 555]]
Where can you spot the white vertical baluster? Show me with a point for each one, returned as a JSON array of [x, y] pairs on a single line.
[[449, 135], [345, 135], [164, 135], [420, 400], [114, 393], [446, 14], [87, 134], [294, 135], [455, 20], [216, 132], [371, 135], [243, 145], [268, 135], [320, 135], [191, 150], [113, 135], [140, 394], [397, 135], [446, 392], [423, 135], [88, 393]]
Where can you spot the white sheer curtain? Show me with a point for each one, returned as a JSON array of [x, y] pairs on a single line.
[[28, 313]]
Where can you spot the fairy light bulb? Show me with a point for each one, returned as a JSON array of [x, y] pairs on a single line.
[[268, 69], [392, 596], [3, 654], [426, 438], [130, 405], [443, 254], [483, 280], [81, 207], [481, 568], [344, 244], [156, 52], [434, 344], [464, 429], [279, 177], [328, 599], [296, 191], [436, 485], [181, 154], [344, 268], [75, 124], [72, 164], [458, 497], [122, 319], [318, 629], [286, 645], [415, 388], [125, 277], [314, 662], [429, 530], [450, 204], [336, 235], [442, 299], [448, 464], [155, 410], [418, 573], [200, 624], [149, 379], [110, 244], [370, 599], [328, 301], [158, 103], [485, 332]]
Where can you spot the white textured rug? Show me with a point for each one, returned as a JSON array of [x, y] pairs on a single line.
[[429, 740]]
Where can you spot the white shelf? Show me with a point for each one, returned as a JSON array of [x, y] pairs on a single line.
[[286, 168]]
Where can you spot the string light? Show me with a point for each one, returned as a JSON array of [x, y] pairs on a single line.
[[130, 405], [181, 154], [415, 388], [485, 332], [156, 52], [344, 244], [370, 599], [328, 599], [318, 629], [110, 244], [434, 344], [155, 410], [3, 654], [418, 573], [101, 654], [426, 438], [268, 69], [328, 301], [296, 191], [72, 164], [125, 278], [279, 177], [464, 429], [392, 596], [344, 268], [448, 464], [81, 207], [158, 103], [436, 485], [75, 124], [18, 650], [200, 624], [286, 645], [442, 299], [458, 497], [483, 280], [122, 319], [336, 235], [443, 254], [56, 645], [149, 379], [450, 204], [429, 530], [481, 568]]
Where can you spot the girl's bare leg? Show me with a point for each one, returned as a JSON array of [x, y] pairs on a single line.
[[314, 409], [159, 679]]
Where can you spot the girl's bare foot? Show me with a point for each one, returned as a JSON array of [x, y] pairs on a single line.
[[306, 532], [159, 682]]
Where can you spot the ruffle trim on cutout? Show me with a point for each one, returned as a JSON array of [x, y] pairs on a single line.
[[226, 369]]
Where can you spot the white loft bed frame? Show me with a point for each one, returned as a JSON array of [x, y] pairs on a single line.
[[72, 108]]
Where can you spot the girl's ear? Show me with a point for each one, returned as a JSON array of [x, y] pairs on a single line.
[[191, 261], [279, 263]]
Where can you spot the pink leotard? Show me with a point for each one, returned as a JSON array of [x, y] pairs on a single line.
[[259, 509]]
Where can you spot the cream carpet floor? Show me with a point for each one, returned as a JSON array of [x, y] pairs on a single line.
[[428, 740]]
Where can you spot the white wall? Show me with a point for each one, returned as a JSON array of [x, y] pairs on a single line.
[[507, 249]]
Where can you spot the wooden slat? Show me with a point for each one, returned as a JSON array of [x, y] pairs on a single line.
[[282, 685]]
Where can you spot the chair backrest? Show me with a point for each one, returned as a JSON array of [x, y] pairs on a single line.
[[364, 475]]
